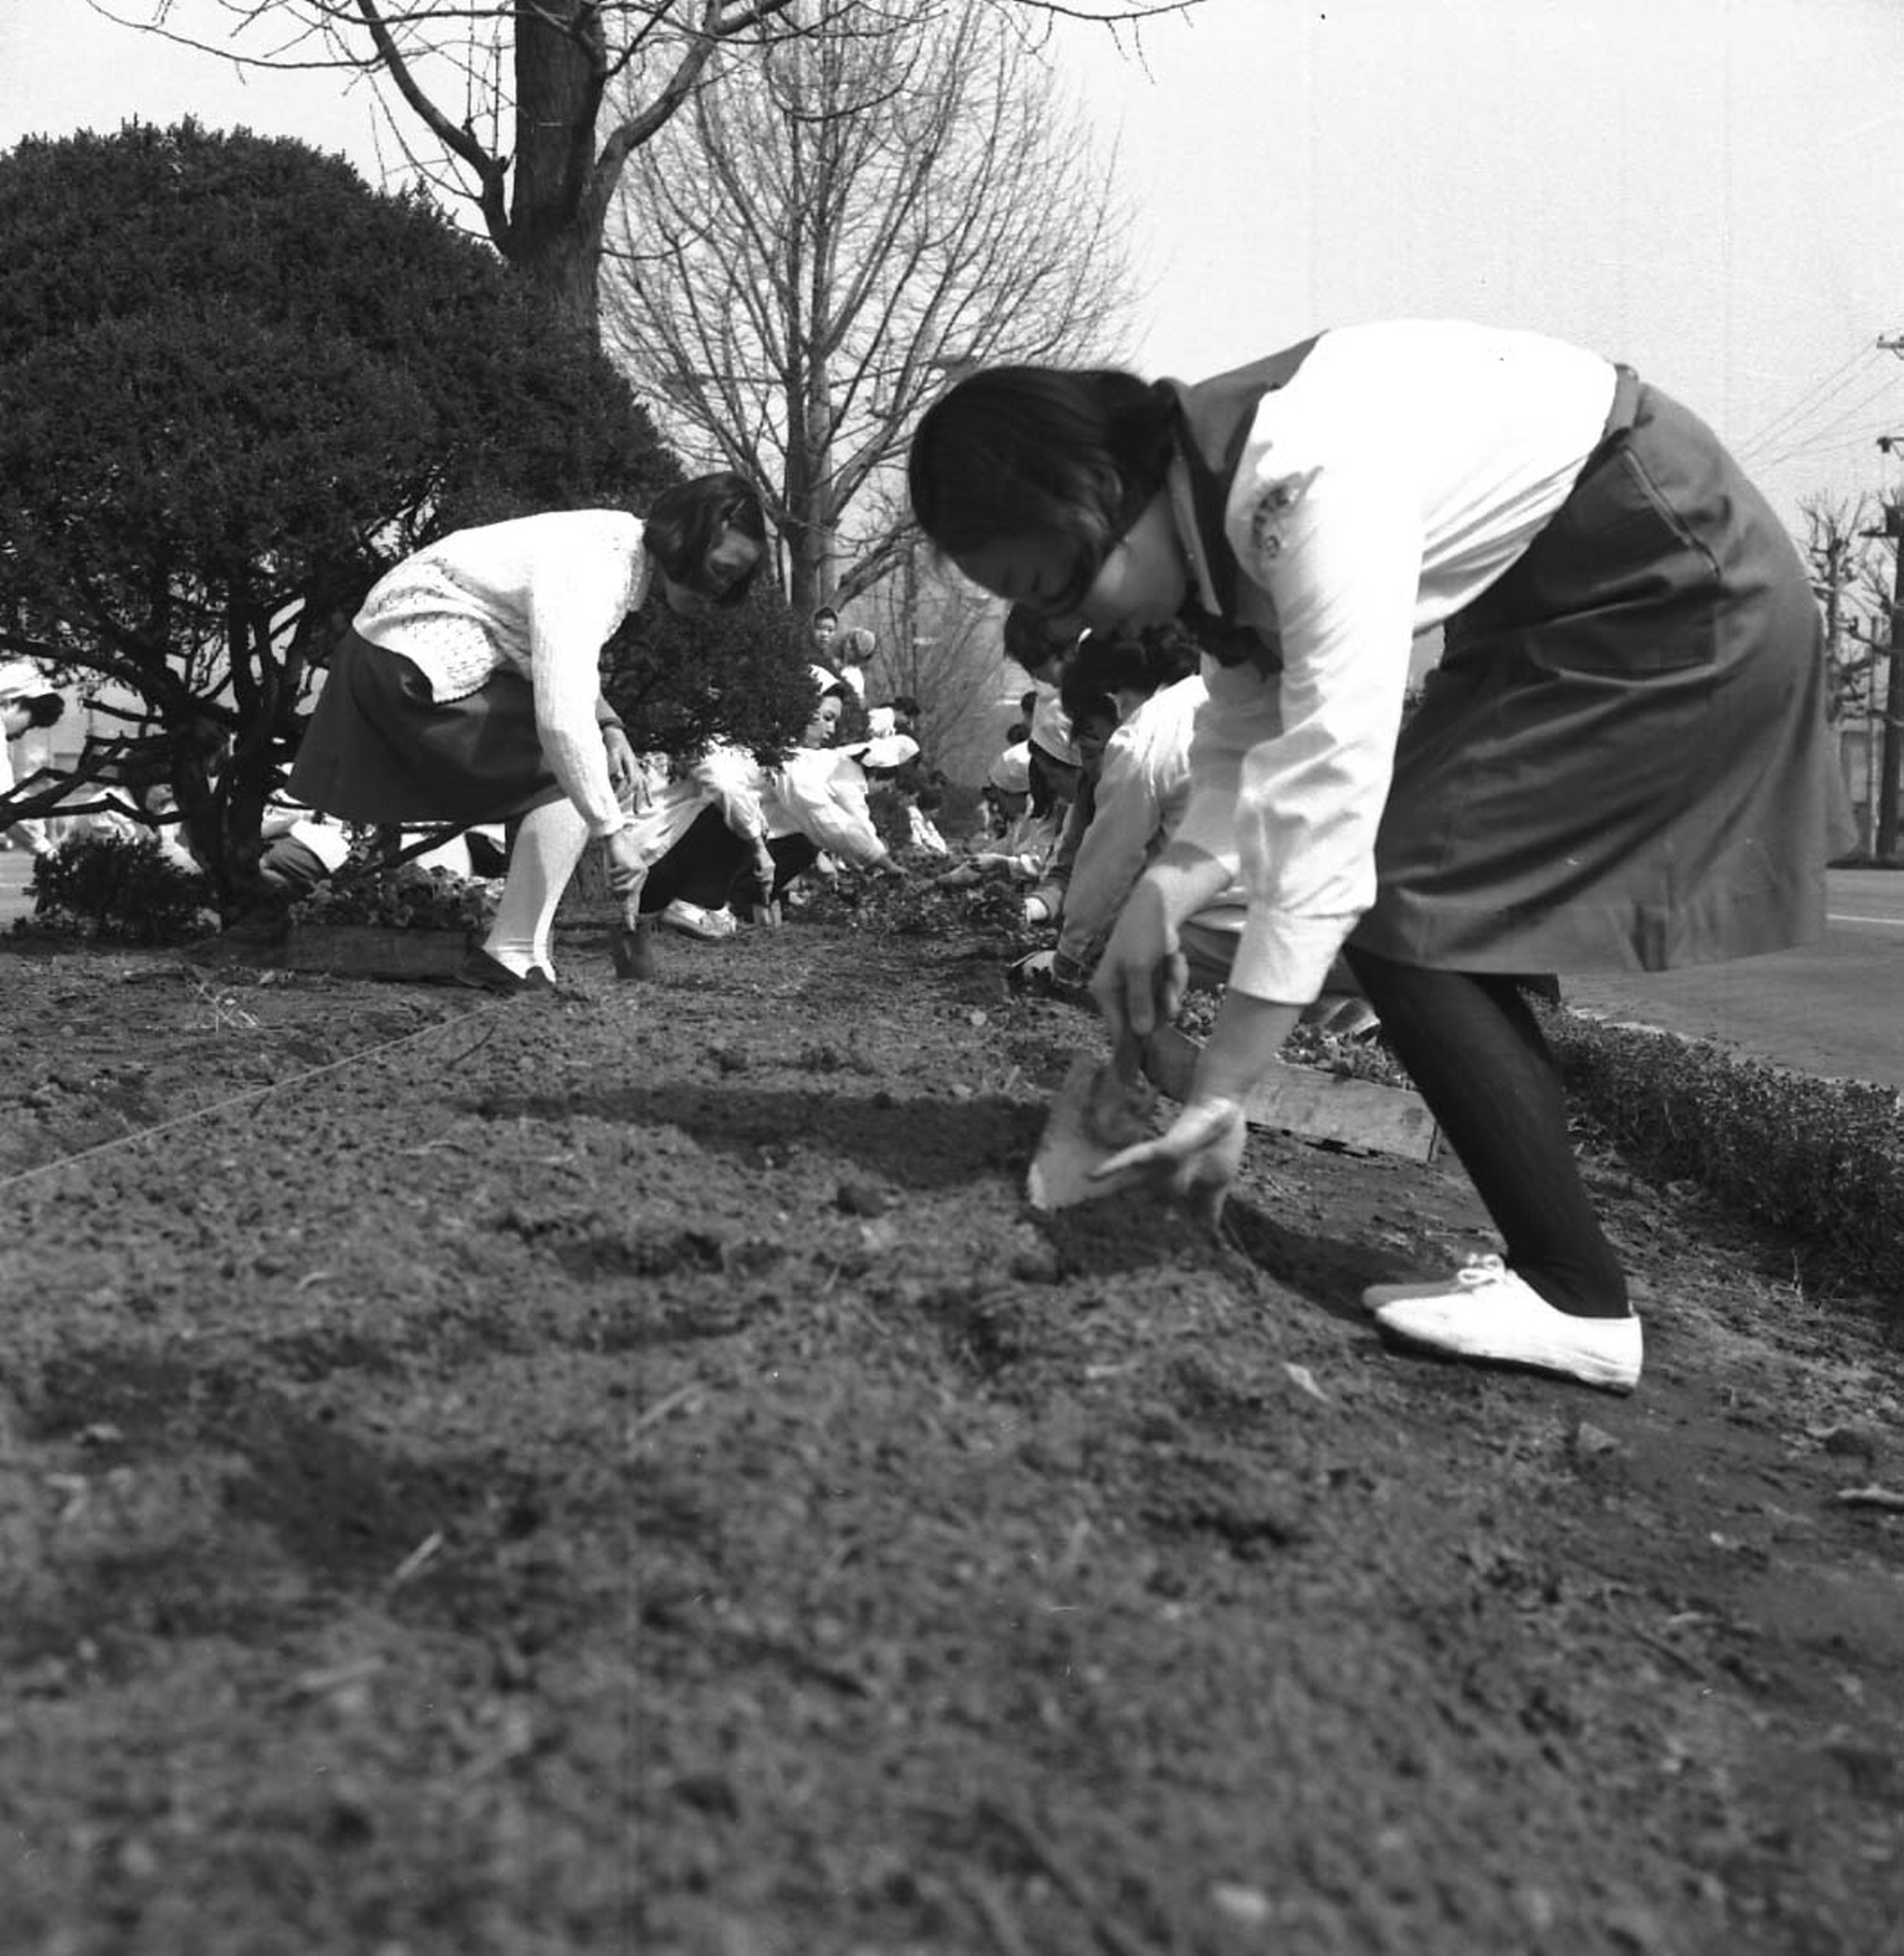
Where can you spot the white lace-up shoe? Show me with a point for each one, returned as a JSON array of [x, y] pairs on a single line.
[[1486, 1312], [1474, 1269], [694, 922]]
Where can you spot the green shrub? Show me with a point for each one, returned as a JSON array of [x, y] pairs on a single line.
[[236, 384], [123, 887], [1821, 1158], [919, 905]]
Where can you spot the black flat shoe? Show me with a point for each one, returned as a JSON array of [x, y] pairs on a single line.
[[482, 973]]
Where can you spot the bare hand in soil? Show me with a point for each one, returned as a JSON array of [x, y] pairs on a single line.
[[1196, 1157]]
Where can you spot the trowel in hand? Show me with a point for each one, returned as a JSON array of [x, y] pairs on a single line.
[[631, 944], [1102, 1108]]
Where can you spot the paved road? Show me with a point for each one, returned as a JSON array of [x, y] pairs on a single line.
[[1835, 1009]]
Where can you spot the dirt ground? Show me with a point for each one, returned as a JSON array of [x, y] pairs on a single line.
[[628, 1474]]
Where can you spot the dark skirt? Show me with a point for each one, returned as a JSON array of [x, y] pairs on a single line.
[[1621, 761], [379, 748]]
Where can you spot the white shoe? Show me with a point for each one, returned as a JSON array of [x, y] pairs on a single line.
[[1474, 1269], [1486, 1312], [697, 922]]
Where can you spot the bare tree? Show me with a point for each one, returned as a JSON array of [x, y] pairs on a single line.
[[500, 102], [1852, 577], [802, 260], [1847, 578], [939, 644]]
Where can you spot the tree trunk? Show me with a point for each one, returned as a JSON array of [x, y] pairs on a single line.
[[809, 540], [555, 220]]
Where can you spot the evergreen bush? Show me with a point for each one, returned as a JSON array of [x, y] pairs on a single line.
[[236, 384], [1821, 1158], [119, 887]]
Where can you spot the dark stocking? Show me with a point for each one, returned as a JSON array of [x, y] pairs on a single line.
[[1482, 1064]]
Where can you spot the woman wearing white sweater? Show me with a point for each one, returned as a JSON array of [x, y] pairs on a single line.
[[468, 690]]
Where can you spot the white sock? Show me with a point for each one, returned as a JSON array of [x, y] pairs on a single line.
[[548, 845]]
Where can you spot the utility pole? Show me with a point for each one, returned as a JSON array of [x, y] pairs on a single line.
[[1891, 767]]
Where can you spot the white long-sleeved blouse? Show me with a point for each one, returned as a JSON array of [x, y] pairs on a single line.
[[1144, 787], [823, 795], [1398, 474], [539, 594], [818, 792]]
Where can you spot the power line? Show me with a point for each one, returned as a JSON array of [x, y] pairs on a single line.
[[1824, 445], [1809, 401], [1826, 436]]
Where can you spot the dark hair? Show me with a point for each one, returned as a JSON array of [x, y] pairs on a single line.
[[1030, 643], [825, 611], [1173, 652], [1104, 665], [905, 703], [1098, 675], [1085, 704], [1042, 451], [685, 523], [43, 709]]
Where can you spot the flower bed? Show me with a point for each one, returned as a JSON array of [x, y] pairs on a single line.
[[408, 922]]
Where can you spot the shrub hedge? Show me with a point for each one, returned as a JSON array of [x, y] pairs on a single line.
[[1821, 1158]]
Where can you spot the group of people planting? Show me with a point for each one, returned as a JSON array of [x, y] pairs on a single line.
[[1621, 760]]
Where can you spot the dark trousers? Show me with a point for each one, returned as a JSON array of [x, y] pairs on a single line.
[[711, 866]]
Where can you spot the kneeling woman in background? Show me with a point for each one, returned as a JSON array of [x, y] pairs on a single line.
[[468, 690]]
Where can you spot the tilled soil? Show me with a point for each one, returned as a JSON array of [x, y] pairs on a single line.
[[629, 1473]]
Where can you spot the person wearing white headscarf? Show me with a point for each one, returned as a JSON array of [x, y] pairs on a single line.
[[26, 701]]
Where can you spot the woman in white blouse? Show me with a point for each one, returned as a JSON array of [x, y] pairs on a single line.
[[1620, 762], [732, 830], [468, 690]]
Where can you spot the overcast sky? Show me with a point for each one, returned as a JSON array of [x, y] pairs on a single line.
[[1708, 188]]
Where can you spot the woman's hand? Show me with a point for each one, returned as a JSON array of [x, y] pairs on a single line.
[[1140, 979], [767, 877], [624, 771], [628, 868], [1197, 1156]]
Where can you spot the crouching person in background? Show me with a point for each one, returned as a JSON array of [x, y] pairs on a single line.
[[735, 835]]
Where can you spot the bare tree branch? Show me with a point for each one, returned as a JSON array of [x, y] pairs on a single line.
[[799, 264], [531, 110]]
